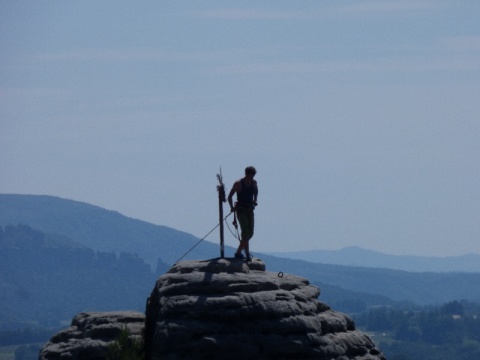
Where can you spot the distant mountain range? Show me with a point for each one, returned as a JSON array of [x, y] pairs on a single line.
[[103, 230], [356, 256]]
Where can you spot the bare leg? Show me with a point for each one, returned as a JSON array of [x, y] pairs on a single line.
[[247, 248], [240, 248]]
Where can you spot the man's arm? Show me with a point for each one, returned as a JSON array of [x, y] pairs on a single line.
[[230, 195]]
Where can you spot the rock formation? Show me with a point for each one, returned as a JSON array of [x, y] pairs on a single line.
[[229, 309], [90, 335], [222, 309]]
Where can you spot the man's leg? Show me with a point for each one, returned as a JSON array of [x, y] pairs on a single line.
[[240, 248], [243, 221], [249, 227]]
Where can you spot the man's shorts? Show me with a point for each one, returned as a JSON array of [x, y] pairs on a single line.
[[246, 219]]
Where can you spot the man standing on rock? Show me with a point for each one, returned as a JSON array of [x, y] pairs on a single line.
[[247, 192]]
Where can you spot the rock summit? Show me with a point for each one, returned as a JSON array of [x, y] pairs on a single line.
[[229, 309], [221, 309]]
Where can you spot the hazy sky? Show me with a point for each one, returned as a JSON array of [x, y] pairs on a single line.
[[361, 117]]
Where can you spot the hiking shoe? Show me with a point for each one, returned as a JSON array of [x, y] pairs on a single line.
[[249, 258], [239, 256]]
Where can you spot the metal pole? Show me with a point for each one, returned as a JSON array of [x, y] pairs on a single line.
[[220, 210], [221, 200]]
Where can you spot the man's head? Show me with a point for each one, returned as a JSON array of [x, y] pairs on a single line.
[[250, 170]]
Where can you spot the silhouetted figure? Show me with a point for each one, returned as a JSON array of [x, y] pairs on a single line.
[[247, 193]]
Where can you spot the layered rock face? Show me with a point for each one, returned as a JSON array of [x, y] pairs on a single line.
[[229, 309], [90, 335]]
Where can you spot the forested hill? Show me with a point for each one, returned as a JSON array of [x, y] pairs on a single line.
[[356, 256], [101, 229], [46, 278]]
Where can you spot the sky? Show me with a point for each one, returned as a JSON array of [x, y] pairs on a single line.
[[361, 117]]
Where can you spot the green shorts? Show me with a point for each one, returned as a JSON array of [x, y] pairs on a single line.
[[246, 219]]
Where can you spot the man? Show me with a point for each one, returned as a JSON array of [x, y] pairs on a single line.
[[247, 193]]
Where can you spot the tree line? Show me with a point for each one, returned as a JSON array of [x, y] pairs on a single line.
[[450, 331], [46, 281]]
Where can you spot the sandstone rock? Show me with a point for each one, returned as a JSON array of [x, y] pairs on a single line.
[[222, 309], [228, 309], [90, 334]]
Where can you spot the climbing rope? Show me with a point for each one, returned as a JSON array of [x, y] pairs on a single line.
[[236, 235], [194, 246]]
